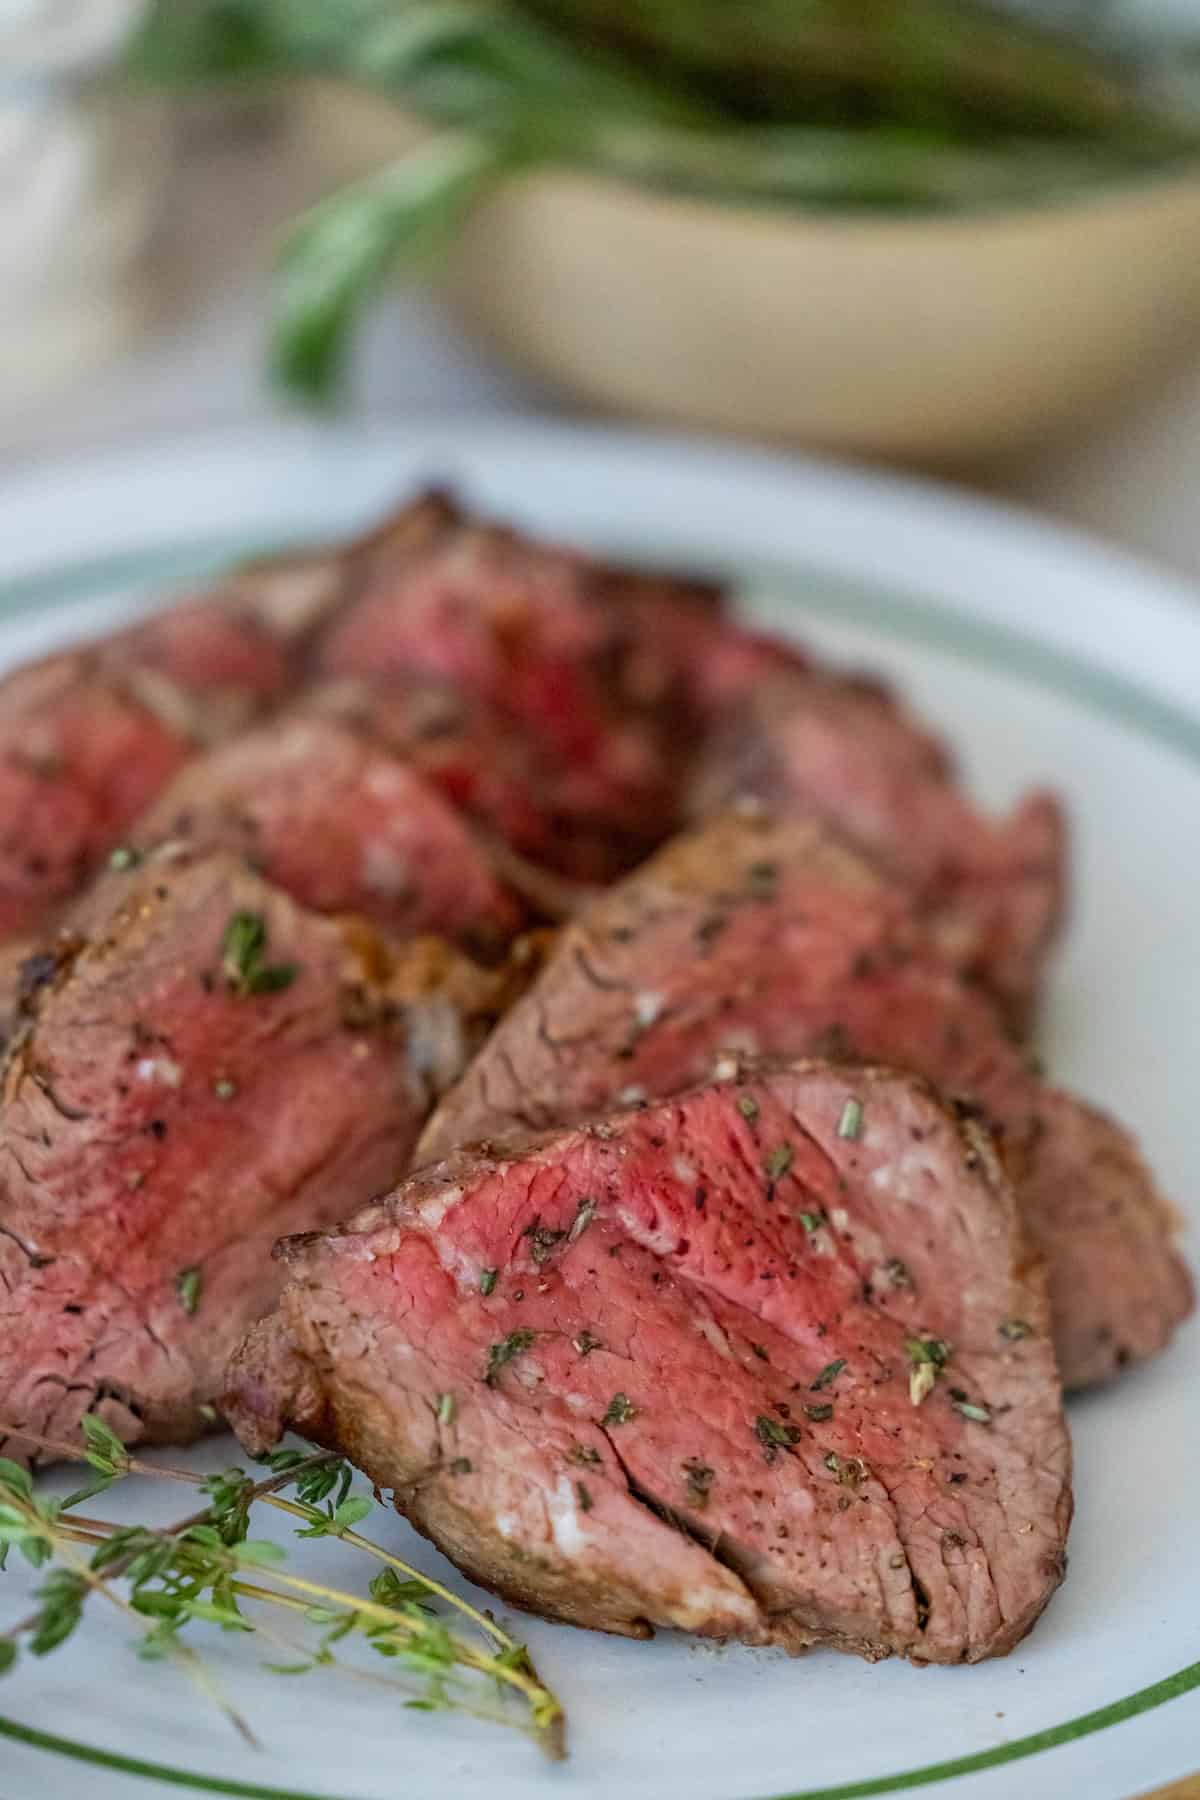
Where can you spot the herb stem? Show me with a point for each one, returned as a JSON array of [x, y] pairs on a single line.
[[485, 1623], [59, 1538]]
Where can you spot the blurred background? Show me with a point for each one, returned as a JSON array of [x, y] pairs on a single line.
[[957, 237]]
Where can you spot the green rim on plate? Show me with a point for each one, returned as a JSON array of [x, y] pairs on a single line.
[[897, 615]]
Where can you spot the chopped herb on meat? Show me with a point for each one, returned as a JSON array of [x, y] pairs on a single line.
[[504, 1351], [243, 947], [446, 1409], [828, 1374], [583, 1218], [585, 1343], [773, 1436], [543, 1242], [748, 1108], [1012, 1329], [819, 1411], [487, 1281], [620, 1411], [779, 1162], [970, 1409], [928, 1357], [189, 1285], [851, 1121]]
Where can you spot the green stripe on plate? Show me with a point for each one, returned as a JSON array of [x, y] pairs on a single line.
[[895, 615], [1145, 1700]]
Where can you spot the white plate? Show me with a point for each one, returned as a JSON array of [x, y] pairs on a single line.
[[1044, 657]]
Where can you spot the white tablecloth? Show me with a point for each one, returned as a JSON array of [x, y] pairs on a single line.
[[198, 364]]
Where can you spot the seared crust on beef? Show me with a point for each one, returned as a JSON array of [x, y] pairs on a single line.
[[160, 1127], [755, 935], [677, 1346], [844, 750]]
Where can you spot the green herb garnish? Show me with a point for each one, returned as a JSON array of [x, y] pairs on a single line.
[[1013, 1329], [970, 1409], [585, 1343], [124, 857], [819, 1411], [487, 1281], [850, 1470], [828, 1374], [543, 1242], [620, 1411], [499, 1354], [928, 1357], [773, 1436], [812, 1221], [779, 1162], [243, 947], [748, 1108], [933, 107], [447, 1407], [189, 1284], [584, 1215], [208, 1569], [850, 1123]]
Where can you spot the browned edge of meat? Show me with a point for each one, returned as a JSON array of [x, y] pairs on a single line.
[[204, 1067], [766, 1361], [757, 935], [845, 750]]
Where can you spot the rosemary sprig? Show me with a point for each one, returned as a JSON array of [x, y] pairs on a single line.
[[918, 106], [206, 1566]]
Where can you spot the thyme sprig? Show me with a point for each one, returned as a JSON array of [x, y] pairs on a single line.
[[206, 1567]]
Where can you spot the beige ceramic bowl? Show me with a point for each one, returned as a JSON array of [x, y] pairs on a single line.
[[941, 340]]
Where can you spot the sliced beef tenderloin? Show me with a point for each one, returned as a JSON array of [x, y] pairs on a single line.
[[844, 751], [343, 825], [208, 1066], [82, 752], [210, 651], [765, 1361], [484, 764], [543, 636], [760, 936]]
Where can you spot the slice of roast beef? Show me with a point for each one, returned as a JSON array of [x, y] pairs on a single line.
[[208, 1066], [766, 1361], [761, 936], [541, 636], [845, 751], [342, 825], [485, 765], [82, 751]]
